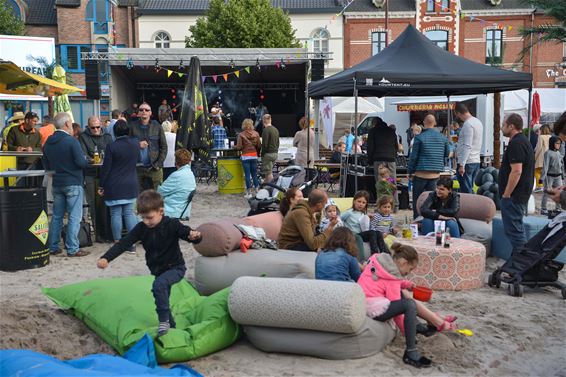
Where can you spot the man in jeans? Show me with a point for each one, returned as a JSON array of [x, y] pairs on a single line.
[[468, 150], [430, 150], [515, 179], [62, 153], [153, 148], [269, 147]]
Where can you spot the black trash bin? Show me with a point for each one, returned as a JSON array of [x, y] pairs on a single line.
[[24, 227]]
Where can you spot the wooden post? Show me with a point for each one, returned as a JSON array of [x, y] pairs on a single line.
[[496, 130]]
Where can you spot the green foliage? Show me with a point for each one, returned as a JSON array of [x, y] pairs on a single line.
[[550, 32], [242, 24], [9, 24]]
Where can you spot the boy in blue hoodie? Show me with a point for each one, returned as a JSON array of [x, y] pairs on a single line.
[[62, 154]]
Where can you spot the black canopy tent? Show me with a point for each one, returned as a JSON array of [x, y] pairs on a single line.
[[414, 66]]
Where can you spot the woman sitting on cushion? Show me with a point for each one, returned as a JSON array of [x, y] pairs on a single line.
[[441, 204]]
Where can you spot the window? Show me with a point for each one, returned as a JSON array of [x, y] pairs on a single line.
[[430, 6], [320, 40], [103, 65], [162, 40], [100, 13], [439, 38], [445, 4], [377, 42], [71, 57], [493, 46]]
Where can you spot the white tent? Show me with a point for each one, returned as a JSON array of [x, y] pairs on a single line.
[[343, 110], [552, 100]]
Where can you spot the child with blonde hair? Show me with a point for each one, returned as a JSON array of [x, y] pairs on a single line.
[[387, 297]]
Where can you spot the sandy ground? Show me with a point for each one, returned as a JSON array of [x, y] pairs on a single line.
[[513, 336]]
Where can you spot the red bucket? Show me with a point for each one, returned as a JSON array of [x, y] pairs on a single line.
[[422, 293]]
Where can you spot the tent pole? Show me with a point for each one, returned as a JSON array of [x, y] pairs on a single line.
[[448, 116], [307, 113], [317, 129], [529, 112], [355, 133]]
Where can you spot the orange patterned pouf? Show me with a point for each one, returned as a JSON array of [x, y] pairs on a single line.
[[459, 267]]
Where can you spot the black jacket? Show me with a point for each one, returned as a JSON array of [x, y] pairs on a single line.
[[382, 144], [433, 207], [161, 244], [88, 141], [118, 175]]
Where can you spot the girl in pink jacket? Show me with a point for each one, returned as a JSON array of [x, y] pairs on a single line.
[[387, 297]]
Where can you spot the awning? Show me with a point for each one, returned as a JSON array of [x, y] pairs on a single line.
[[15, 81], [436, 103]]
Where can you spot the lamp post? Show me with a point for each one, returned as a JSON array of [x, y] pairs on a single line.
[[386, 23]]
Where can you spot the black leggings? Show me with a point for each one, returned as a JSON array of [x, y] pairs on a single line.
[[375, 239], [409, 308]]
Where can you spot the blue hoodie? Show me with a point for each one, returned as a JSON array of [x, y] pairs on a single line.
[[63, 154]]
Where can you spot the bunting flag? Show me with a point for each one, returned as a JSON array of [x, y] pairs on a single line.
[[237, 73], [169, 72], [225, 77], [214, 77], [247, 69], [181, 74]]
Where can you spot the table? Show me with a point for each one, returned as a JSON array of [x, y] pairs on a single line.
[[8, 160], [460, 267]]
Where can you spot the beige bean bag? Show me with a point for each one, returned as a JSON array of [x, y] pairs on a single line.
[[213, 274], [476, 207], [298, 304], [370, 339], [271, 223]]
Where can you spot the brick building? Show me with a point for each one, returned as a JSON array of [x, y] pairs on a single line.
[[484, 31], [80, 26]]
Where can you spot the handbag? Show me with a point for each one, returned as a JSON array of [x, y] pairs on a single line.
[[85, 235]]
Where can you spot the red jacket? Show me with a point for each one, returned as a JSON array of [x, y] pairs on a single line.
[[386, 285]]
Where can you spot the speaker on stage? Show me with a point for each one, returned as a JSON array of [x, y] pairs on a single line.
[[92, 79], [365, 182], [317, 69]]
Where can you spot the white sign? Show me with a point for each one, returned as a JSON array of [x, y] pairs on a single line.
[[21, 50], [327, 119]]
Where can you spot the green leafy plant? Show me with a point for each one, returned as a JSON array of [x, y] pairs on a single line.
[[9, 23], [242, 24]]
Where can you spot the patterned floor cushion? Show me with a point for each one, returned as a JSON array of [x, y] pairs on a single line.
[[370, 339], [213, 274], [298, 303]]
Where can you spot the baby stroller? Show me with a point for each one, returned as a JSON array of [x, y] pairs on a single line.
[[532, 265], [270, 194]]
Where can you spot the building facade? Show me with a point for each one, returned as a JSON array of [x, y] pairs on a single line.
[[485, 31], [317, 24]]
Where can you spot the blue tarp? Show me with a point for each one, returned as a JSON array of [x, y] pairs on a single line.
[[138, 361]]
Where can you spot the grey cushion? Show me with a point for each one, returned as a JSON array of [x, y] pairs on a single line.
[[479, 231], [298, 303], [213, 274], [370, 339]]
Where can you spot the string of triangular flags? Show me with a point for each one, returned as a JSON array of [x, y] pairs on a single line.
[[463, 15]]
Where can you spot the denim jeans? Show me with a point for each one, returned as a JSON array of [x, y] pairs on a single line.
[[161, 290], [467, 180], [250, 172], [512, 216], [119, 212], [66, 199], [421, 185], [428, 226]]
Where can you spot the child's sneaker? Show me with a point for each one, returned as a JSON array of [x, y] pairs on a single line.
[[544, 212], [163, 328]]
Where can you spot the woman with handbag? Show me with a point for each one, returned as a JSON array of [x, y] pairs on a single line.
[[249, 143], [119, 180]]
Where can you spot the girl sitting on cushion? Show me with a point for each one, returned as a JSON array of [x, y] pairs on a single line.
[[442, 204], [387, 297], [338, 259], [357, 220]]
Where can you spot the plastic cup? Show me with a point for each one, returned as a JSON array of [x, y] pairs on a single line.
[[422, 293]]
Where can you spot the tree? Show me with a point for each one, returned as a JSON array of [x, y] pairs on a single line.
[[549, 32], [47, 68], [9, 23], [242, 24]]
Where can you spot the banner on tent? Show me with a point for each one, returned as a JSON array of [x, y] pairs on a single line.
[[426, 106]]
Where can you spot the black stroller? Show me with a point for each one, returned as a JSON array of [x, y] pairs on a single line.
[[269, 195], [532, 265]]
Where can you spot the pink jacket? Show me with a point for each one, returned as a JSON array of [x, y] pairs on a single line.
[[386, 285]]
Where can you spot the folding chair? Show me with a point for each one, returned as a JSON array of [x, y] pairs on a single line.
[[189, 200]]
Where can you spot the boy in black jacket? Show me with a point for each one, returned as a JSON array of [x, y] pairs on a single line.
[[159, 236]]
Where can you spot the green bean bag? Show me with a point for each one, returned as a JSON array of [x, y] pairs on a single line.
[[122, 310]]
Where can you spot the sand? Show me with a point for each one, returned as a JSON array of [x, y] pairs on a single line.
[[513, 336]]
